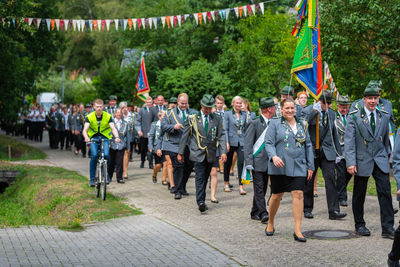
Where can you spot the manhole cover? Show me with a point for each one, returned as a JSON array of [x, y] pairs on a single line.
[[330, 234]]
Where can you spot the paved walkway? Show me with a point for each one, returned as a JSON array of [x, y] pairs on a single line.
[[132, 241], [228, 228]]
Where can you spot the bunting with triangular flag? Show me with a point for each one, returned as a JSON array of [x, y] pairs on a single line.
[[171, 21]]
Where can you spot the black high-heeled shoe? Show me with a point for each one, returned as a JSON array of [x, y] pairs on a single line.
[[269, 233], [299, 239]]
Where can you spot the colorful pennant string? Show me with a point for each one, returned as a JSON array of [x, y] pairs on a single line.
[[138, 23]]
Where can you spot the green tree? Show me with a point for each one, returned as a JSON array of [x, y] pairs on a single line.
[[115, 80], [360, 42], [258, 63], [78, 90], [25, 52], [200, 78]]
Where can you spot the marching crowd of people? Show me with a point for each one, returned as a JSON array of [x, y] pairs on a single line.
[[283, 147]]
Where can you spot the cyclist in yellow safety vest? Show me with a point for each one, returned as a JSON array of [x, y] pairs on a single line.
[[99, 125]]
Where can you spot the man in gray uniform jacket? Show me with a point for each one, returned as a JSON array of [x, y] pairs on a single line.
[[367, 149], [342, 176], [383, 104], [172, 126], [394, 255], [325, 143], [205, 132], [256, 160]]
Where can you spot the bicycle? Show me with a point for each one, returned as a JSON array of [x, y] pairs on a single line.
[[100, 187]]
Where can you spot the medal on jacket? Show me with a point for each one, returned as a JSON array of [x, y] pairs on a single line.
[[122, 132], [213, 133], [285, 140], [157, 134], [239, 125]]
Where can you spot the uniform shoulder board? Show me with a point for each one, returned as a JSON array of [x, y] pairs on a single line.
[[383, 111], [353, 112], [255, 118]]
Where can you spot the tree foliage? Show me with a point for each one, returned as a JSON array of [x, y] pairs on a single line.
[[24, 51], [360, 41], [250, 57], [77, 90]]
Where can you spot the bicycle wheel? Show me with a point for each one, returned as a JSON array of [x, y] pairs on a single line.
[[97, 182], [103, 186]]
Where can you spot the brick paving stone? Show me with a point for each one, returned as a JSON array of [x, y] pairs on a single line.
[[60, 252]]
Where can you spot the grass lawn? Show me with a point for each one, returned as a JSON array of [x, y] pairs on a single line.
[[371, 188], [55, 196], [19, 151]]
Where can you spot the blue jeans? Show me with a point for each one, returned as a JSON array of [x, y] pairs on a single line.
[[93, 156]]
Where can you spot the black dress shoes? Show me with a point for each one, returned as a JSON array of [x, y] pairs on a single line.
[[142, 165], [264, 219], [392, 263], [343, 203], [363, 231], [336, 215], [178, 195], [269, 233], [172, 190], [121, 181], [203, 207], [308, 215], [388, 234], [185, 193], [255, 217], [299, 239]]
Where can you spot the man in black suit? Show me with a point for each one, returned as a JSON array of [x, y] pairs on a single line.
[[255, 157], [172, 125], [321, 119]]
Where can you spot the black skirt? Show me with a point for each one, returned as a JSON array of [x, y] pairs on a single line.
[[157, 159], [283, 183]]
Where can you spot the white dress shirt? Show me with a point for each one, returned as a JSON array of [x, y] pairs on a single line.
[[368, 113]]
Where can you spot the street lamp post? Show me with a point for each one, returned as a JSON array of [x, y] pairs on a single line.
[[62, 67]]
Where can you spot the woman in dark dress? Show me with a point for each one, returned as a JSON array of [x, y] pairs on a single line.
[[291, 162]]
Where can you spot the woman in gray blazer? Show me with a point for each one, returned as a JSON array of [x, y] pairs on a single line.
[[117, 150], [291, 162], [155, 147], [235, 124]]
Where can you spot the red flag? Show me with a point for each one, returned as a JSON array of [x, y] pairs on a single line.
[[142, 84]]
